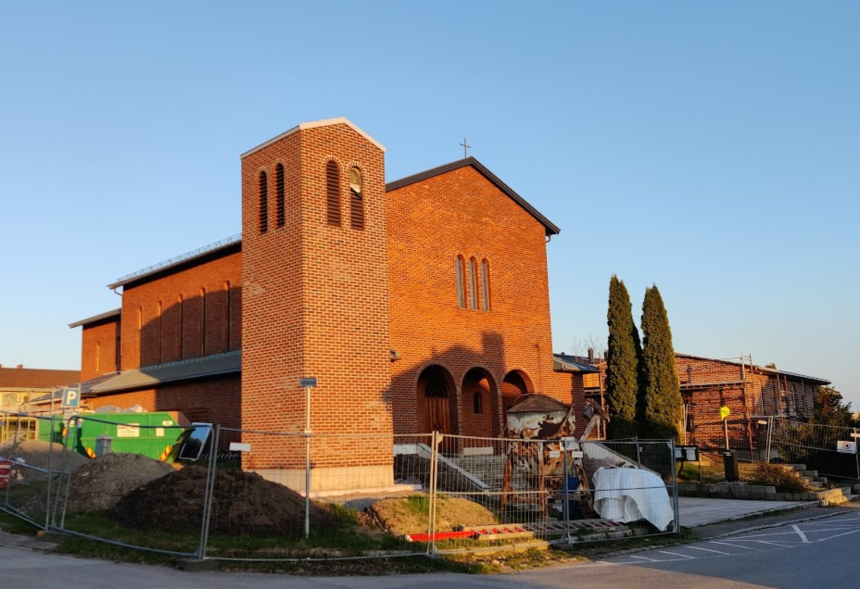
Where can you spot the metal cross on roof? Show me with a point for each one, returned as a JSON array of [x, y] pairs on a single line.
[[466, 148]]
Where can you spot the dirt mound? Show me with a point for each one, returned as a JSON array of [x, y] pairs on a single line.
[[408, 515], [99, 484], [244, 503], [41, 455]]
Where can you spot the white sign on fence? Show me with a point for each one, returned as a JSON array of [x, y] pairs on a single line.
[[845, 447]]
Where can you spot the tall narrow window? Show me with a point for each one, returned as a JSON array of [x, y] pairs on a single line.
[[478, 403], [179, 332], [473, 287], [202, 321], [159, 326], [461, 295], [332, 193], [139, 336], [279, 195], [356, 199], [264, 203], [485, 285], [227, 315], [98, 355]]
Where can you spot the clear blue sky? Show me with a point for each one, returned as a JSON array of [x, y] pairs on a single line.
[[712, 148]]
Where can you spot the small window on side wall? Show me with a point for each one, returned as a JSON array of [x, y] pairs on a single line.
[[485, 285], [461, 293], [478, 403], [264, 203], [356, 199]]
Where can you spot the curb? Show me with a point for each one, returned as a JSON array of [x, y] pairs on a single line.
[[802, 506]]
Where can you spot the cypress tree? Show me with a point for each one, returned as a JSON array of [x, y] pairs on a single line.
[[622, 363], [663, 405]]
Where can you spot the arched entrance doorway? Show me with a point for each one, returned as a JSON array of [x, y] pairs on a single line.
[[515, 383], [480, 404], [436, 391]]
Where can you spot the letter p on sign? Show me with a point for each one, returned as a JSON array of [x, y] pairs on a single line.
[[71, 397]]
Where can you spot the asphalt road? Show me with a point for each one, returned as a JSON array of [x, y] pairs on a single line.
[[794, 556]]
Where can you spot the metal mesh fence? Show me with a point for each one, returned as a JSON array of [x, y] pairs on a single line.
[[492, 492], [136, 485], [815, 445], [368, 496], [229, 494], [30, 466]]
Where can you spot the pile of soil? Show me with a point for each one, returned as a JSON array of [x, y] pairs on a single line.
[[102, 482], [42, 455], [244, 503], [408, 515]]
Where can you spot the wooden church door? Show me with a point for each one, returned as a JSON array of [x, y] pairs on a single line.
[[438, 407]]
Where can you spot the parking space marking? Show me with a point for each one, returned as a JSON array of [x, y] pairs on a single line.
[[801, 534], [709, 550], [676, 554]]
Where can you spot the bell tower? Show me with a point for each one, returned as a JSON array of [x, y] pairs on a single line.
[[315, 304]]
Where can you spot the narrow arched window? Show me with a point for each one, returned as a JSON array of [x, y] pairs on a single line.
[[159, 325], [180, 302], [279, 194], [485, 285], [98, 355], [202, 321], [478, 403], [473, 286], [139, 335], [227, 315], [332, 176], [461, 294], [356, 199], [264, 203]]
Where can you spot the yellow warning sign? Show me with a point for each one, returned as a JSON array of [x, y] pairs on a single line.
[[724, 412]]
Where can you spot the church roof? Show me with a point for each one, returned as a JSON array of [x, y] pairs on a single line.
[[96, 318], [551, 228]]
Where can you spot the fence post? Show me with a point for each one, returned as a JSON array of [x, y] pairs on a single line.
[[209, 492], [566, 508], [10, 479], [50, 470], [769, 438], [638, 451], [856, 455], [435, 441], [675, 489]]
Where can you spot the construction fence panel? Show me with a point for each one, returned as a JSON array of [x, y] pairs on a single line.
[[369, 496], [137, 485], [523, 493], [814, 445], [30, 466]]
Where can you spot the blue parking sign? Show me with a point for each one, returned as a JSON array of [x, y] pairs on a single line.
[[71, 397]]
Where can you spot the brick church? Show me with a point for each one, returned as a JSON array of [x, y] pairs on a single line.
[[419, 304]]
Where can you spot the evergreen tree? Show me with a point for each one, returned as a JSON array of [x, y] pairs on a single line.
[[622, 363], [663, 407]]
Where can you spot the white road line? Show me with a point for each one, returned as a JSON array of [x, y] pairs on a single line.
[[801, 534], [644, 558], [709, 550], [676, 554], [839, 535], [734, 546]]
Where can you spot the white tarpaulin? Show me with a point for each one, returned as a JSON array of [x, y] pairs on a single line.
[[630, 494]]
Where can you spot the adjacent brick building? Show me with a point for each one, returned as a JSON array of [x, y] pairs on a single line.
[[749, 391], [419, 304]]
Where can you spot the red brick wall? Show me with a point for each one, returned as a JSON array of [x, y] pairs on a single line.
[[99, 348], [141, 324], [316, 300], [431, 223], [213, 400]]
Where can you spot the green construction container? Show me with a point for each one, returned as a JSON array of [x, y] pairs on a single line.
[[155, 434]]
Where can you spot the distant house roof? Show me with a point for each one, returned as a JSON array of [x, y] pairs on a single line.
[[551, 229], [96, 318], [85, 387], [763, 369], [565, 363], [137, 378], [36, 378]]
